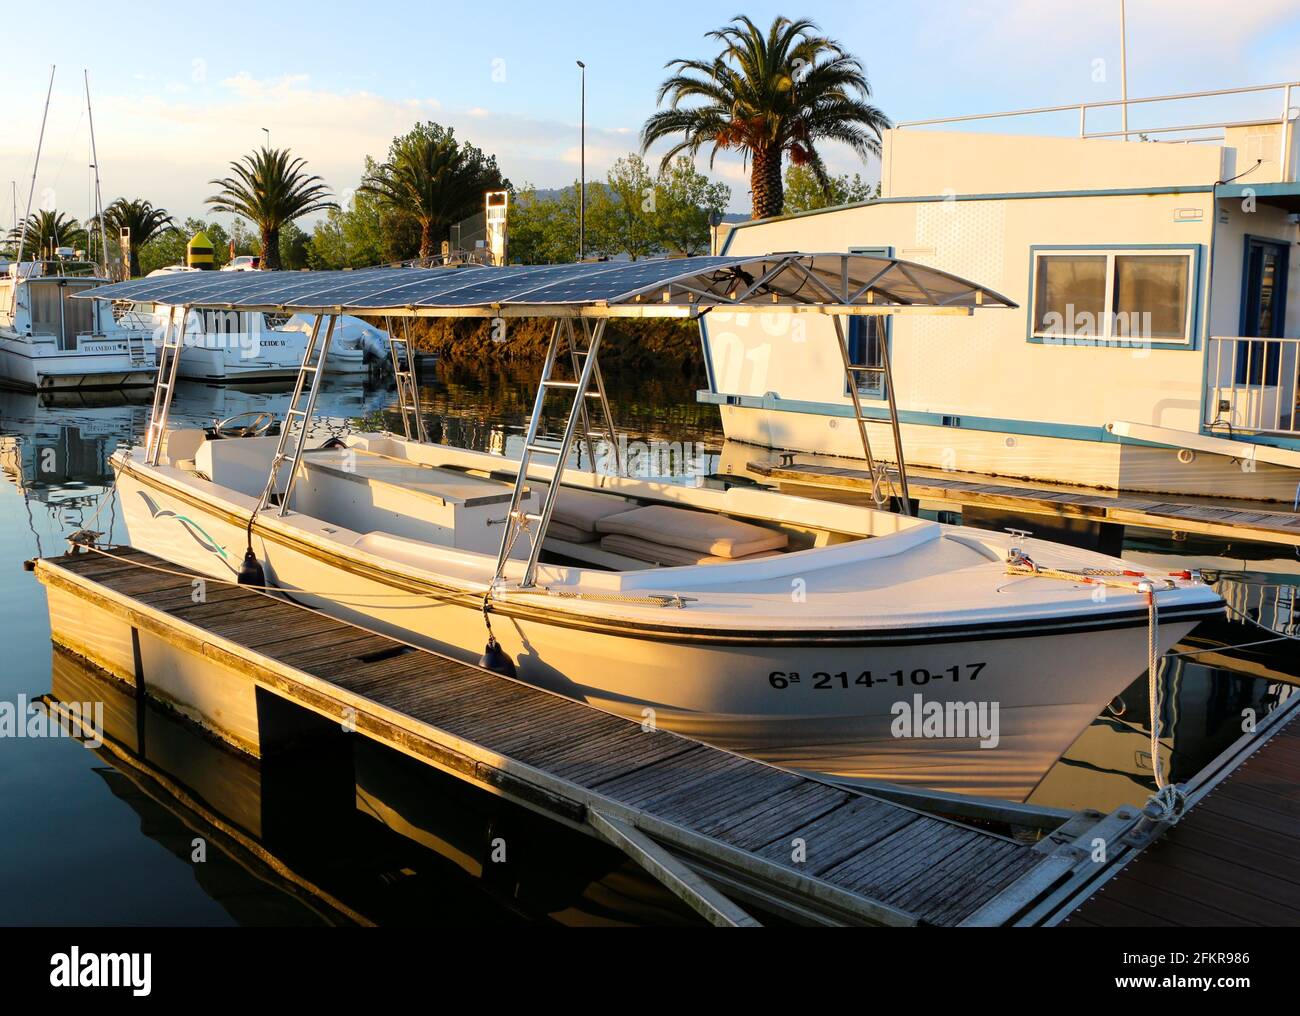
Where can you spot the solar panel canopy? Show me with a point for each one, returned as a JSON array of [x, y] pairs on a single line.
[[677, 287]]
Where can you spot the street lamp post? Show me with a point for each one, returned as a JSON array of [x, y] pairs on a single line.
[[267, 132], [582, 178]]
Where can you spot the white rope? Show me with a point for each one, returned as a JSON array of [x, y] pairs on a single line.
[[1169, 801]]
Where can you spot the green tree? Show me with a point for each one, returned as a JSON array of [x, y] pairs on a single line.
[[804, 192], [294, 245], [766, 95], [271, 188], [621, 216], [47, 230], [434, 180], [144, 222], [686, 200], [544, 230], [168, 248]]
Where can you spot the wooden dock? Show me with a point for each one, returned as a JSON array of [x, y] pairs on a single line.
[[1233, 859], [719, 830], [1231, 523]]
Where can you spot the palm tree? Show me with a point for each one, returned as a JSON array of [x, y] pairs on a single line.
[[270, 188], [434, 179], [47, 230], [785, 91], [144, 222]]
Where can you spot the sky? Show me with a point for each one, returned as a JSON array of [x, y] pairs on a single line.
[[179, 90]]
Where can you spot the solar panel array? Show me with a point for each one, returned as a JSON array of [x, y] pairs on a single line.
[[698, 281]]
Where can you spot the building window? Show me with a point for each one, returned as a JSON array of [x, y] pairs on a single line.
[[1128, 297], [867, 335]]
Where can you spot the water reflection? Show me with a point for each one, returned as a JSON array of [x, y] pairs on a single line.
[[344, 831]]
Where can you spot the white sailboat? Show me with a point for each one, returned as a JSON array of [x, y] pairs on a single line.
[[49, 341], [796, 630]]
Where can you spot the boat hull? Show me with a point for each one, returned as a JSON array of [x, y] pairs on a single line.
[[31, 368], [832, 704]]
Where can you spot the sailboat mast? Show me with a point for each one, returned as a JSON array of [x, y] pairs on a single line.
[[99, 200], [22, 239]]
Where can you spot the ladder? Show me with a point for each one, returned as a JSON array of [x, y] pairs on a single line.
[[883, 489], [169, 360], [137, 348], [408, 389], [584, 359], [297, 418], [579, 352]]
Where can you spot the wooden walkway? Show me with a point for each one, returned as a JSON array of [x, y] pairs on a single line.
[[1276, 527], [712, 826], [1233, 859]]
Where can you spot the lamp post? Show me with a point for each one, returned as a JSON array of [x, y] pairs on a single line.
[[582, 170], [267, 132]]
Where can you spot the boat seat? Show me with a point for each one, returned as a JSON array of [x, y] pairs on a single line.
[[182, 444], [705, 534], [665, 555], [577, 513]]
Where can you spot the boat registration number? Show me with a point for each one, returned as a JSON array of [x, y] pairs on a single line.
[[825, 680]]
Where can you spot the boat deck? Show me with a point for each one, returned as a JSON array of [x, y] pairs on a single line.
[[1276, 527], [713, 826]]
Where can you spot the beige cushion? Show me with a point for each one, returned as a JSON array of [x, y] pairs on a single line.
[[580, 510], [658, 553], [564, 531], [710, 535]]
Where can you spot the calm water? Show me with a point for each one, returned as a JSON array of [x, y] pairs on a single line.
[[353, 832]]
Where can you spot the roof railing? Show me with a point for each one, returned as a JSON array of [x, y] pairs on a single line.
[[1285, 121]]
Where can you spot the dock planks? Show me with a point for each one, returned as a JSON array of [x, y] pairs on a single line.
[[1278, 527], [1232, 860], [833, 854]]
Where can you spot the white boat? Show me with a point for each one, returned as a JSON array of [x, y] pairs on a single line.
[[798, 631], [224, 347], [50, 341], [1157, 349]]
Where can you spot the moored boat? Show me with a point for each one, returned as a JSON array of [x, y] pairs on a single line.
[[855, 642]]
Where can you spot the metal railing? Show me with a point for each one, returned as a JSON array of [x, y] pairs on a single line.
[[1285, 122], [1251, 385]]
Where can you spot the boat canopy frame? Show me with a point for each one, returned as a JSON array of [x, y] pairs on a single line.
[[839, 285]]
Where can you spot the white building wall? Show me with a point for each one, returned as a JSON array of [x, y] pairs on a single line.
[[982, 366]]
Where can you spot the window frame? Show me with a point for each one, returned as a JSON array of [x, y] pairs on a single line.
[[1190, 339], [885, 322]]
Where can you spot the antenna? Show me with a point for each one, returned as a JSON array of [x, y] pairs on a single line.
[[99, 200], [22, 240]]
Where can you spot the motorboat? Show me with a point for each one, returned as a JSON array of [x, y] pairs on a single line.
[[50, 341], [820, 636]]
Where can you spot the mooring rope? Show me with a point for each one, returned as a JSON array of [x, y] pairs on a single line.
[[1169, 801]]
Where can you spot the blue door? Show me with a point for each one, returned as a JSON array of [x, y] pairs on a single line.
[[1263, 309]]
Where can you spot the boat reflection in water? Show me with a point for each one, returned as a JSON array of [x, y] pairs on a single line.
[[1215, 686], [339, 830]]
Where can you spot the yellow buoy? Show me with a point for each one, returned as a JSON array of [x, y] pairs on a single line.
[[199, 252]]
